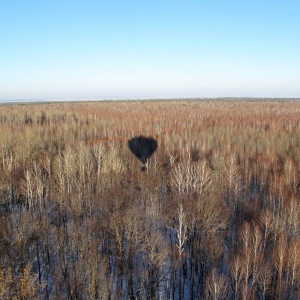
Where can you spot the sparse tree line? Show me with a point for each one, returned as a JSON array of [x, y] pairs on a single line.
[[216, 214]]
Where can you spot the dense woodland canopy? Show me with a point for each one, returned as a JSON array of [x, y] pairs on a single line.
[[215, 214]]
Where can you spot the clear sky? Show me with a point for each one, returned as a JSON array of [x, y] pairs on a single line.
[[88, 49]]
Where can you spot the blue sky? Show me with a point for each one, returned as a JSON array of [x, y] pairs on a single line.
[[88, 49]]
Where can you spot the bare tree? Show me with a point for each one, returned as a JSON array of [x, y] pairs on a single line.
[[237, 274], [294, 263], [280, 259], [181, 231], [216, 286], [264, 277], [98, 153]]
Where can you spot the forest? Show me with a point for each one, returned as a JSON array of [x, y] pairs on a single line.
[[213, 213]]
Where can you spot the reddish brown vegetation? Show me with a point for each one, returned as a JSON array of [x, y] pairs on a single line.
[[215, 216]]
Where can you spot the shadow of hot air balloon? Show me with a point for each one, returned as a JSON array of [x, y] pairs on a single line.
[[142, 147]]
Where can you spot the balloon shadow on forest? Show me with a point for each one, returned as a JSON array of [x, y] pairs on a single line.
[[142, 147]]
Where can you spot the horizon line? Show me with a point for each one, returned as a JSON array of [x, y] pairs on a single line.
[[83, 99]]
